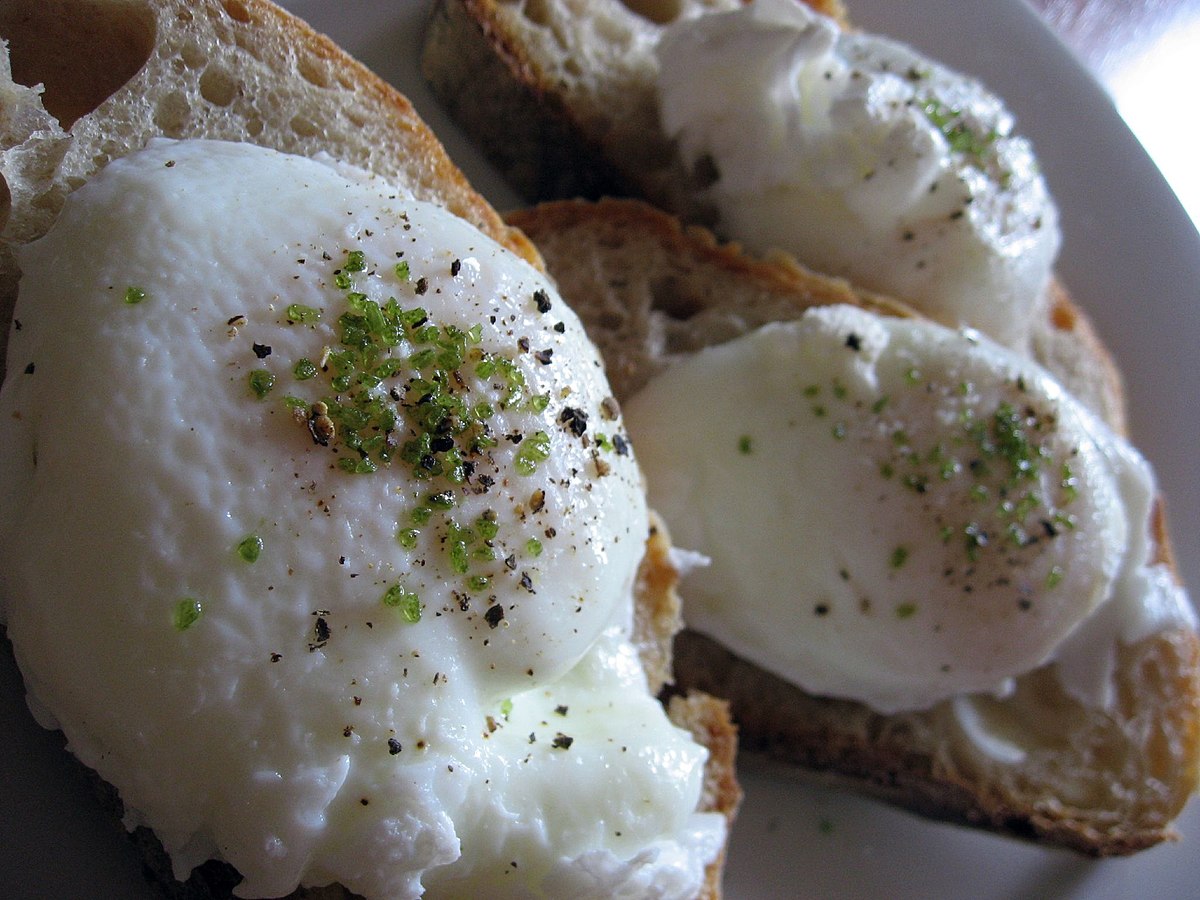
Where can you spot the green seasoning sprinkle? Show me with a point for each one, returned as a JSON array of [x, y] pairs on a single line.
[[534, 449], [506, 707], [402, 271], [134, 295], [304, 369], [1054, 577], [533, 547], [356, 261], [298, 313], [949, 121], [899, 557], [261, 382], [407, 602], [487, 526], [407, 538], [250, 548], [906, 610], [745, 445], [187, 611]]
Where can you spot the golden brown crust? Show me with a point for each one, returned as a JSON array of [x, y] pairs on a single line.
[[649, 290], [709, 721], [656, 623]]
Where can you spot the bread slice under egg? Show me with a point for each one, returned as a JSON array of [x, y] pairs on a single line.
[[561, 94], [84, 82], [651, 291]]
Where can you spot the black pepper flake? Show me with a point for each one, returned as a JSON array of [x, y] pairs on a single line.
[[523, 344], [821, 609], [542, 300], [527, 583], [561, 710], [620, 445], [262, 351], [455, 267], [544, 356], [494, 616], [422, 285], [562, 741], [560, 327], [276, 657], [321, 634], [1024, 604], [575, 420], [854, 342], [29, 369], [393, 746], [348, 731], [239, 319]]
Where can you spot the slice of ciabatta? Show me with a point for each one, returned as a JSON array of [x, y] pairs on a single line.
[[651, 292], [562, 96], [85, 82]]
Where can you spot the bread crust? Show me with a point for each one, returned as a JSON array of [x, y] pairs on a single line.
[[246, 70], [651, 290]]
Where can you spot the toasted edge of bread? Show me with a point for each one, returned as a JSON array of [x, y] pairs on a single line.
[[649, 291], [247, 70]]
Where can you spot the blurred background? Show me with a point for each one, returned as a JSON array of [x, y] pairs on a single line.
[[1146, 53]]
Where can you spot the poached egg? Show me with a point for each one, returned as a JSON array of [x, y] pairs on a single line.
[[318, 535], [900, 513], [868, 161]]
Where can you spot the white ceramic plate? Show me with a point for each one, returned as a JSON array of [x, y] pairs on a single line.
[[1131, 256]]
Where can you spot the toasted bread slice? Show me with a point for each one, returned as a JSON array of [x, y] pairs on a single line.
[[1102, 783], [84, 82], [562, 96]]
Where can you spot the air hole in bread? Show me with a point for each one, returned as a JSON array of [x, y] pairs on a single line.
[[172, 113], [313, 70], [218, 86], [537, 12], [194, 56], [660, 11], [668, 296], [82, 51], [304, 126], [236, 11]]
